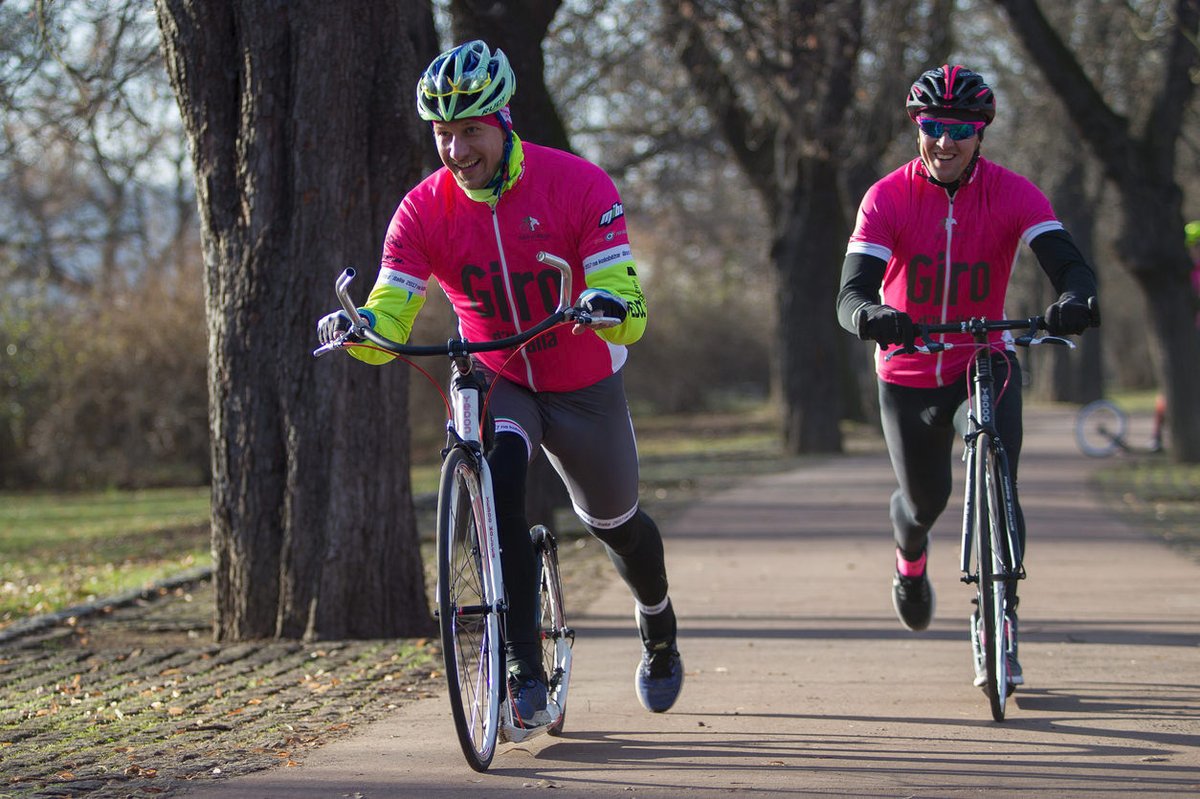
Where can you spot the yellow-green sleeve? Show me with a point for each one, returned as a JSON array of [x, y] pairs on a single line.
[[621, 279], [394, 309]]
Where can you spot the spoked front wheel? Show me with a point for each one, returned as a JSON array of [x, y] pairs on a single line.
[[556, 637], [1100, 429], [991, 541], [467, 612]]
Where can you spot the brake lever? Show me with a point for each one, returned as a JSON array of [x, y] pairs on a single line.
[[591, 321], [1031, 340], [927, 348], [344, 340]]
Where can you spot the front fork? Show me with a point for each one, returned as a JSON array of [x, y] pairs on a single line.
[[1015, 569]]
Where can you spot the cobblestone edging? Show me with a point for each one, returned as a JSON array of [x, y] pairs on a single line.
[[132, 698], [129, 696], [32, 624]]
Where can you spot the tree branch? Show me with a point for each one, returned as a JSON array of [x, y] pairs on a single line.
[[1165, 123], [741, 130], [1097, 123]]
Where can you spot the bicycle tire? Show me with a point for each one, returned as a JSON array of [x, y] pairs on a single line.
[[991, 535], [1100, 428], [556, 637], [467, 613]]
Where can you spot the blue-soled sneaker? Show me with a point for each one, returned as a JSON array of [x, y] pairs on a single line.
[[528, 700], [659, 677]]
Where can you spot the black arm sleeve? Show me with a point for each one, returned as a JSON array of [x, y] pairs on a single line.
[[862, 277], [1064, 264]]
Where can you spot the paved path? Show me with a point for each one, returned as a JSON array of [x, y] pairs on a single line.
[[800, 681]]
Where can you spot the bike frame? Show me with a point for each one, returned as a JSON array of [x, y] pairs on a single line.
[[990, 555], [465, 431], [980, 423], [465, 434]]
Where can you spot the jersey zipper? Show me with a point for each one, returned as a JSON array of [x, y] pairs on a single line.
[[508, 292], [950, 223]]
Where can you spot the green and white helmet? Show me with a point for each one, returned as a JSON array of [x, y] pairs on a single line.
[[467, 81]]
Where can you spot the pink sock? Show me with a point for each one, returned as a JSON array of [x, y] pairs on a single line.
[[910, 568]]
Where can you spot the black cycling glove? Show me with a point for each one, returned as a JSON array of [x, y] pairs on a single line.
[[332, 325], [886, 325], [605, 308], [1068, 316]]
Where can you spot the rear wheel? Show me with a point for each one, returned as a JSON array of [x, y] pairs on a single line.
[[557, 639], [469, 620], [1100, 428]]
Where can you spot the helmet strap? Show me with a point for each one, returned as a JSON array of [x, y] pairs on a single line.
[[953, 185]]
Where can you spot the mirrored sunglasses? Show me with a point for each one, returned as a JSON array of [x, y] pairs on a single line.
[[958, 131]]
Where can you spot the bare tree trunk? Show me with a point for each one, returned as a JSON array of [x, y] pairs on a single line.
[[1142, 169], [812, 346], [303, 139], [788, 149], [1059, 374]]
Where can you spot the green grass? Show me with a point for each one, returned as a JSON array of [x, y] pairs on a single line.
[[1158, 495], [1151, 491], [60, 550], [1140, 401]]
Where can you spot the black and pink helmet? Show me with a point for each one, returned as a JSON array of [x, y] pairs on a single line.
[[952, 88]]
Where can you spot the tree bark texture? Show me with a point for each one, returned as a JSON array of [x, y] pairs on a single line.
[[303, 137], [812, 346], [786, 141], [1139, 159], [1059, 374]]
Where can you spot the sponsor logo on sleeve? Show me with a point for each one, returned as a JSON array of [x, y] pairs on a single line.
[[395, 279], [606, 258], [612, 214]]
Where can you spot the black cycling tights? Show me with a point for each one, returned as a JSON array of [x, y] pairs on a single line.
[[920, 426], [508, 462], [635, 548]]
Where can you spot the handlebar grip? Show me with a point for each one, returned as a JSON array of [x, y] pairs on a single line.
[[564, 269], [342, 289], [1093, 305]]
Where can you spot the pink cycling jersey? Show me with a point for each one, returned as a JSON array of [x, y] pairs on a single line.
[[483, 255], [948, 259]]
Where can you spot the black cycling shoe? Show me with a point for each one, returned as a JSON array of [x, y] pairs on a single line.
[[913, 599]]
